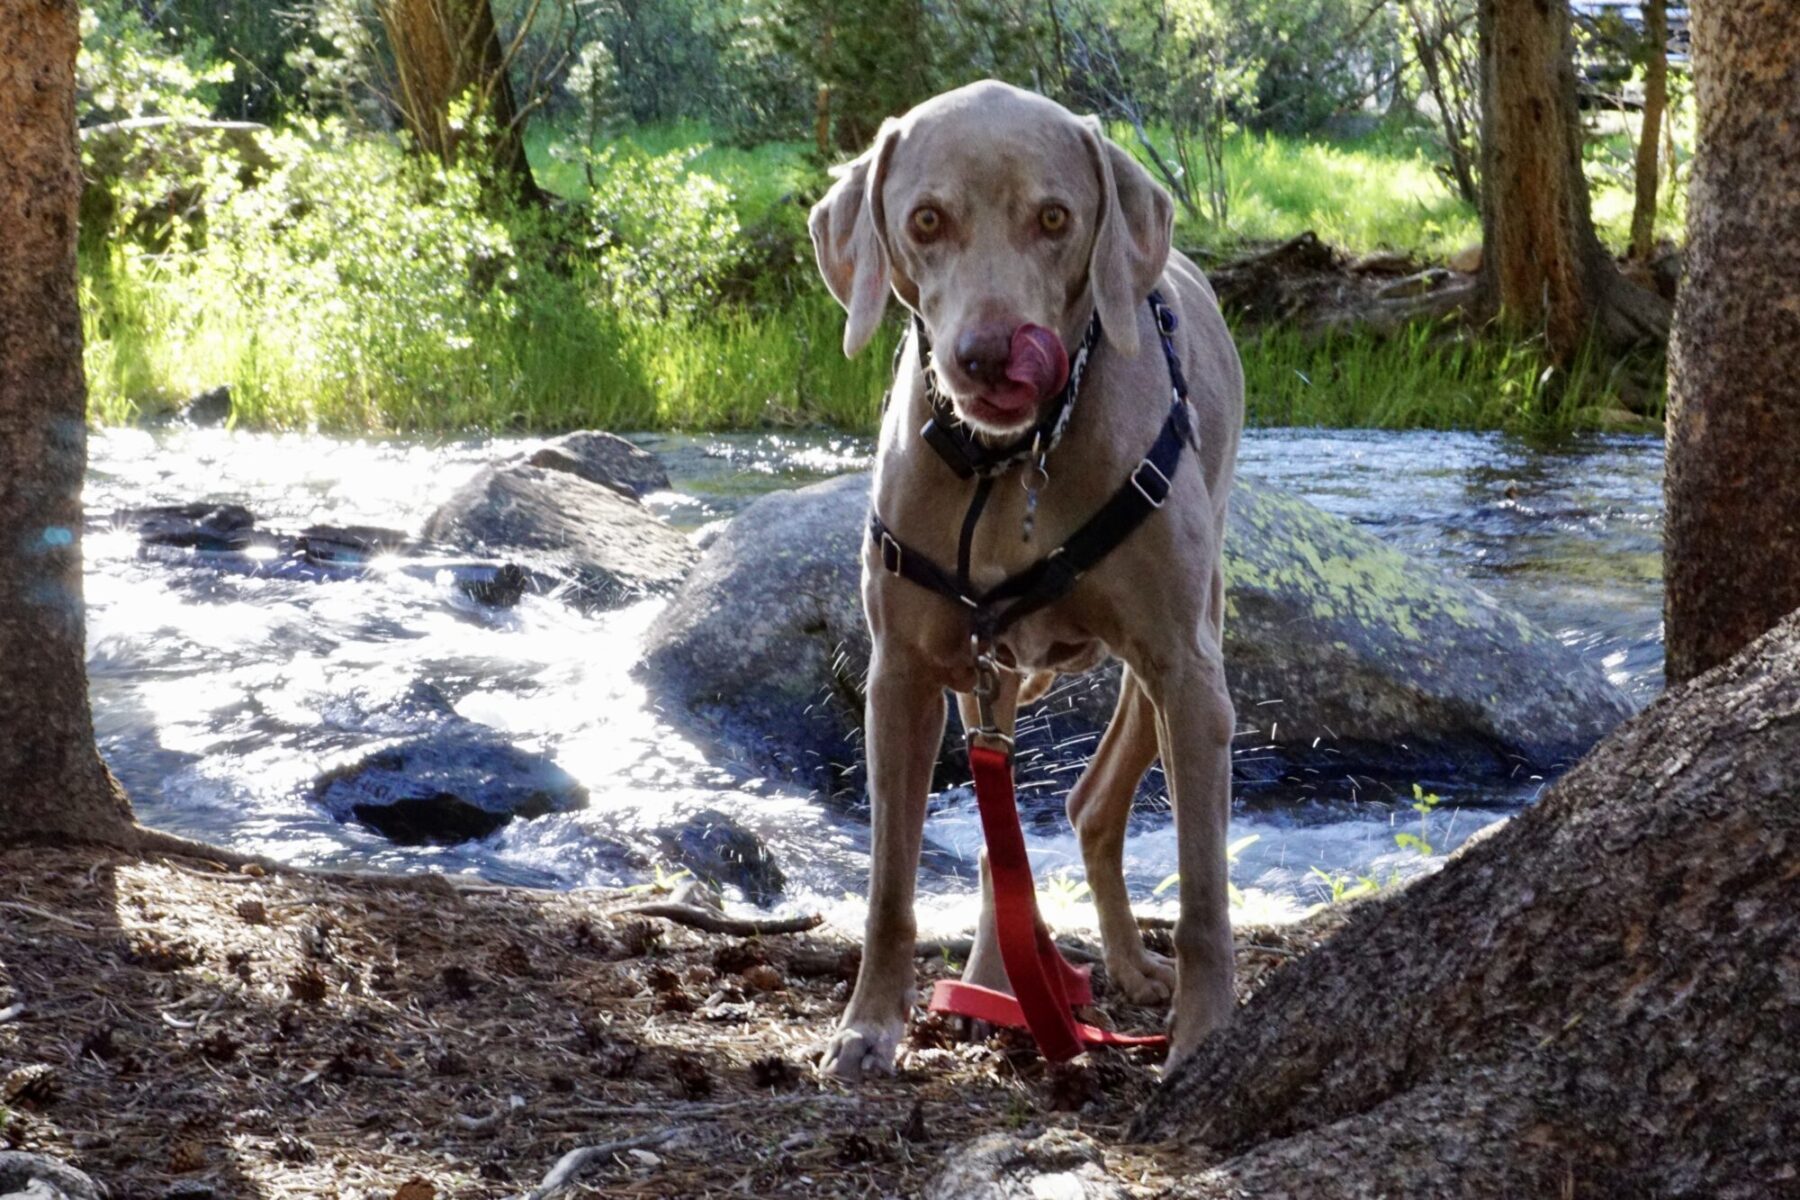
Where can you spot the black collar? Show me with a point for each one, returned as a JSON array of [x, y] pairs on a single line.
[[960, 449]]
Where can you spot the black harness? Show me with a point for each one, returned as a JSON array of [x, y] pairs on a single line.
[[1054, 576]]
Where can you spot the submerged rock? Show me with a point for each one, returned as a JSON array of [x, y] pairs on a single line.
[[351, 543], [458, 782], [224, 538], [606, 459], [1344, 654], [720, 851], [612, 549], [200, 525], [211, 407]]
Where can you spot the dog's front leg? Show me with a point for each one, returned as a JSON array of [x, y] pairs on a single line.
[[1100, 810], [1194, 720], [904, 724]]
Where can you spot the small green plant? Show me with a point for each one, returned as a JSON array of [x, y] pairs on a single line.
[[1424, 804], [1342, 885], [1062, 892], [665, 880], [1065, 887]]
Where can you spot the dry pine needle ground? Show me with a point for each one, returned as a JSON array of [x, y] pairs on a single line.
[[180, 1031]]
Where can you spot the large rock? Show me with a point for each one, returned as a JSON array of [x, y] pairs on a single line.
[[454, 783], [612, 549], [765, 643], [39, 1177], [1056, 1165], [606, 459], [1344, 654], [1599, 999]]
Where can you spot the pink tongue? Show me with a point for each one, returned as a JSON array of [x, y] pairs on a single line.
[[1037, 364]]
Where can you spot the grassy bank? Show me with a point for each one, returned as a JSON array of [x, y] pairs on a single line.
[[1425, 378], [355, 289]]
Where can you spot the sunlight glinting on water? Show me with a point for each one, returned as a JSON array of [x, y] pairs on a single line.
[[221, 698]]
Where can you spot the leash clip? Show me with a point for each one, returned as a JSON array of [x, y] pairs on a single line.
[[1034, 479], [987, 686]]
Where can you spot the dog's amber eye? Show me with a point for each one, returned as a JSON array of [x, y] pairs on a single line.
[[927, 222], [1054, 218]]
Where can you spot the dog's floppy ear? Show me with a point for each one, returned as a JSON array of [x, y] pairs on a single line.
[[848, 241], [1131, 242]]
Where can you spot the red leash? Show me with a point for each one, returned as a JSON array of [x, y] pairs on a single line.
[[1046, 986]]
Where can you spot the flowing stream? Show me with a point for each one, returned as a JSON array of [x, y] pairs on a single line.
[[219, 698]]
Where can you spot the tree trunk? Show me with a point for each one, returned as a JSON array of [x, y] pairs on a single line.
[[1600, 999], [1656, 99], [1543, 266], [447, 51], [1732, 545], [1432, 43], [52, 782]]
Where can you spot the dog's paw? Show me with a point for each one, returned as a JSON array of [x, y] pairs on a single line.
[[1144, 978], [862, 1049], [1180, 1050]]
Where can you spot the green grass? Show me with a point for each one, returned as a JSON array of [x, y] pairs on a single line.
[[1374, 193], [349, 306], [553, 367], [1426, 378], [758, 177], [1382, 191]]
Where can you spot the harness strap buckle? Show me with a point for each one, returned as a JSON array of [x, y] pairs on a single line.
[[890, 553], [1154, 488]]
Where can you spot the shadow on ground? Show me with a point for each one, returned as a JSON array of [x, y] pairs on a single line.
[[189, 1032]]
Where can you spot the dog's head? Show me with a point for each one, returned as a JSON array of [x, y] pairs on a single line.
[[1004, 221]]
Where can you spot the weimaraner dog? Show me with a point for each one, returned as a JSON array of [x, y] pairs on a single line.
[[1008, 227]]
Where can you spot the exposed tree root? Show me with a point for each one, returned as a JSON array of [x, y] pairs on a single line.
[[1602, 998]]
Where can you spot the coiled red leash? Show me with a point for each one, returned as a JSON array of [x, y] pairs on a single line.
[[1047, 987]]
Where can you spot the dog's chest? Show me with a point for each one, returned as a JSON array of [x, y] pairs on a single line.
[[1049, 642]]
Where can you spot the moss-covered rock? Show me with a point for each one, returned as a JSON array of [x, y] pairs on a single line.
[[1344, 654]]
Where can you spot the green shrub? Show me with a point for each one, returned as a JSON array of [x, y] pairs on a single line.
[[662, 236]]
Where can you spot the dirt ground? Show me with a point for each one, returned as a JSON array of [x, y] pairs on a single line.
[[179, 1030]]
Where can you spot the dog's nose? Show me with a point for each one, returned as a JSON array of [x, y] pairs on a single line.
[[983, 351]]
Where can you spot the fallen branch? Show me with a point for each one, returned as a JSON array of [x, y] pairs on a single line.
[[711, 921], [572, 1165]]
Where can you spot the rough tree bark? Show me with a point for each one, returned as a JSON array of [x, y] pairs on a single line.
[[1732, 544], [1656, 99], [1600, 999], [1543, 266], [52, 782], [450, 50]]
